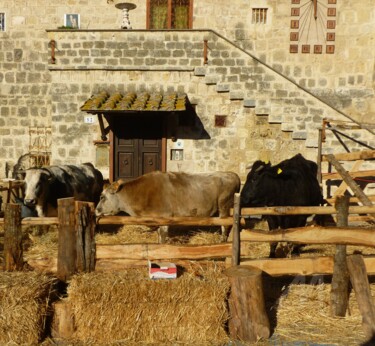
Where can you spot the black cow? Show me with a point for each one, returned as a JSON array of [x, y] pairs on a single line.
[[44, 186], [292, 182]]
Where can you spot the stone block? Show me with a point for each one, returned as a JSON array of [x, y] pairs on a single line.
[[250, 103], [222, 87], [212, 79], [299, 135], [200, 71], [236, 95]]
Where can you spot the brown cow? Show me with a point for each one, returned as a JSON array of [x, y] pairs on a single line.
[[169, 194]]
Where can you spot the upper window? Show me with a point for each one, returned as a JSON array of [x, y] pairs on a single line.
[[259, 15], [2, 21], [169, 14]]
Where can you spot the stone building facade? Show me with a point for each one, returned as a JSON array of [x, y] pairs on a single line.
[[273, 101]]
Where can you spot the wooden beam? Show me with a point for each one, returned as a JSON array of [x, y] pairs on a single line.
[[343, 186], [351, 200], [351, 183], [328, 210], [353, 174], [314, 235], [160, 221], [274, 267], [166, 251], [357, 155], [360, 283], [301, 266]]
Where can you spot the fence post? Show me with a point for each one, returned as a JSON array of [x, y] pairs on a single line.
[[340, 278], [359, 280], [249, 320], [236, 246], [13, 253], [85, 225], [67, 251]]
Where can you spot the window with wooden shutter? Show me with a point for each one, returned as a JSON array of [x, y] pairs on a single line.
[[169, 14]]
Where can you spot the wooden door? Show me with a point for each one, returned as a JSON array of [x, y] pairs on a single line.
[[137, 146]]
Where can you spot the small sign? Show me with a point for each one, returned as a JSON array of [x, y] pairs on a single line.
[[162, 270], [89, 120]]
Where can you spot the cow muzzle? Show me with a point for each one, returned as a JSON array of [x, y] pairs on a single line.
[[30, 202]]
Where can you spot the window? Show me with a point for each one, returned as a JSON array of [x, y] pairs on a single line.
[[220, 120], [169, 14], [259, 15], [2, 21]]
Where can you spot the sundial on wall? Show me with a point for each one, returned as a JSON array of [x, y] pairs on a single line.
[[312, 25]]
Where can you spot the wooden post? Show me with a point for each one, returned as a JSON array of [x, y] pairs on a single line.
[[85, 221], [63, 320], [360, 283], [205, 50], [248, 321], [340, 278], [319, 158], [236, 255], [13, 253], [67, 248]]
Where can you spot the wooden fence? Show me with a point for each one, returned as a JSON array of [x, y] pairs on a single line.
[[71, 223], [77, 251]]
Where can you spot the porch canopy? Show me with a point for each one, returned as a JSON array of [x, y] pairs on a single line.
[[132, 103]]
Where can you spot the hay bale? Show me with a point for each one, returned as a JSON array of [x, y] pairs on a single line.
[[130, 307], [24, 306]]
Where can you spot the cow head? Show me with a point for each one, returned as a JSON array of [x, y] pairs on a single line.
[[110, 203], [36, 186], [248, 192]]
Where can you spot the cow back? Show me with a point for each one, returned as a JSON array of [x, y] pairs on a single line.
[[179, 194]]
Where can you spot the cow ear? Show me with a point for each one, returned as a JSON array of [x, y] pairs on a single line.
[[116, 187]]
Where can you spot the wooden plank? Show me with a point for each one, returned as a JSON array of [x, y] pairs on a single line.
[[327, 210], [357, 155], [300, 266], [273, 267], [36, 221], [351, 200], [353, 174], [166, 251], [314, 235], [351, 183], [161, 221], [343, 186]]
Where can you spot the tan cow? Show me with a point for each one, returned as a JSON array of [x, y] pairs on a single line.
[[169, 194]]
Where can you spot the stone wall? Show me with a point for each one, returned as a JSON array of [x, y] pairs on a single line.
[[270, 115]]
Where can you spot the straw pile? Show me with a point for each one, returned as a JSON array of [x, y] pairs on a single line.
[[24, 306], [130, 307], [303, 316]]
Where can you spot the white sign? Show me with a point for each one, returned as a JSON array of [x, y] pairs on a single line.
[[89, 120]]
